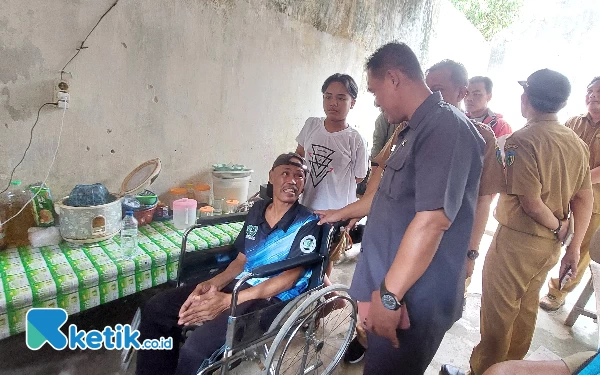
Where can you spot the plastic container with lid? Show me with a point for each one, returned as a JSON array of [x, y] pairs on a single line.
[[206, 211], [16, 199], [202, 194], [184, 213], [231, 182], [176, 194], [231, 205]]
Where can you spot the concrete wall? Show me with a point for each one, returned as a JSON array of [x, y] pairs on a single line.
[[556, 34], [193, 82]]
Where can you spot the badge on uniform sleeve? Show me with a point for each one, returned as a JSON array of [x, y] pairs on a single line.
[[308, 244], [499, 155], [251, 231], [510, 154]]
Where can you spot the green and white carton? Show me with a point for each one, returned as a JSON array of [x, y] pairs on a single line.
[[126, 285], [109, 291], [69, 302]]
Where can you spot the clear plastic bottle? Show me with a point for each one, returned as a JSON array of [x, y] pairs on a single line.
[[129, 232], [11, 202]]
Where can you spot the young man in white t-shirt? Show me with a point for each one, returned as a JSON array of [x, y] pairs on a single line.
[[335, 151]]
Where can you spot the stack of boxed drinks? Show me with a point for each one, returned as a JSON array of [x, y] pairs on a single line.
[[79, 277]]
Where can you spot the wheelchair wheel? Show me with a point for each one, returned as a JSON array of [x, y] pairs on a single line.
[[314, 338]]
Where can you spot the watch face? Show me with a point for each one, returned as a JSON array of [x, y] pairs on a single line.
[[389, 302]]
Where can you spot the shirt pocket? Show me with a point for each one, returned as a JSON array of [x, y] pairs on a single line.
[[394, 178]]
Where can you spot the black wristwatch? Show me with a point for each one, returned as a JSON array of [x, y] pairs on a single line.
[[472, 254], [557, 230], [389, 299]]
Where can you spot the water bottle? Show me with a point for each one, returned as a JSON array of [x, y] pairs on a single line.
[[129, 232]]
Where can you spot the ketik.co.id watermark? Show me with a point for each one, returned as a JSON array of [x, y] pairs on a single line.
[[43, 326]]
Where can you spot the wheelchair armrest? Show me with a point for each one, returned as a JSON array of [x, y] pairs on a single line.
[[221, 219], [288, 264]]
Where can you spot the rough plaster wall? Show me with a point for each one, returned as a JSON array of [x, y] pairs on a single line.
[[556, 34], [193, 82]]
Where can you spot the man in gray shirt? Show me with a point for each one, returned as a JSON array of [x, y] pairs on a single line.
[[417, 235]]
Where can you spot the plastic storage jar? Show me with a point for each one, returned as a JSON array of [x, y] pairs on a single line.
[[206, 211], [231, 205], [184, 213], [176, 194], [202, 194]]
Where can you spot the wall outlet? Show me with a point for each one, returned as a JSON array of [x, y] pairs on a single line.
[[63, 100], [61, 93]]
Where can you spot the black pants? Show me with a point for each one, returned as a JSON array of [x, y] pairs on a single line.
[[159, 319], [418, 345]]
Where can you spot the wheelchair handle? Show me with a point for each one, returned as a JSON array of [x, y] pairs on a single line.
[[204, 222]]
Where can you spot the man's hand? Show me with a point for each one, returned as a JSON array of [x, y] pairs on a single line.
[[383, 322], [562, 234], [352, 224], [470, 267], [329, 216], [200, 289], [570, 260], [205, 307]]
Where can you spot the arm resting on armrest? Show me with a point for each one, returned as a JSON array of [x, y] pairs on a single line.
[[287, 264]]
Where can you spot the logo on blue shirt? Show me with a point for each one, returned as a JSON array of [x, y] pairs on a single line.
[[251, 231]]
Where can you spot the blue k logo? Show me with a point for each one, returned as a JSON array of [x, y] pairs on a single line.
[[43, 325]]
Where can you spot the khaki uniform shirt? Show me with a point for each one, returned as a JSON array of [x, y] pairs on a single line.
[[589, 132], [544, 159], [390, 145], [492, 177]]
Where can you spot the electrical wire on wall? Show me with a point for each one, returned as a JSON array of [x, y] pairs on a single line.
[[62, 125], [79, 49], [12, 173], [82, 46]]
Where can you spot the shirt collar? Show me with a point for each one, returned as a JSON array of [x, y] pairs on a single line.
[[286, 221], [589, 117], [419, 115]]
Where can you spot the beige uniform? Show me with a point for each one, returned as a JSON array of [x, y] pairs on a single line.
[[386, 151], [589, 132], [547, 160]]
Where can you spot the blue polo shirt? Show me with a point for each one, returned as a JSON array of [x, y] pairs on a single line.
[[294, 235]]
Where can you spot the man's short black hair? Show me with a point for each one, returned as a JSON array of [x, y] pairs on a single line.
[[395, 55], [487, 82], [596, 79], [345, 80], [458, 72]]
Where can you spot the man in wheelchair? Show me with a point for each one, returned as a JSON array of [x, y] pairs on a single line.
[[274, 230]]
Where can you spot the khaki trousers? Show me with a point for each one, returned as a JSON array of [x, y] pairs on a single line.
[[584, 262], [514, 271]]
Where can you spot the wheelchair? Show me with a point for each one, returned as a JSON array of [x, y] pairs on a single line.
[[306, 335]]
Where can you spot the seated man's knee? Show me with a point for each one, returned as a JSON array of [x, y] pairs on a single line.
[[525, 367], [503, 368]]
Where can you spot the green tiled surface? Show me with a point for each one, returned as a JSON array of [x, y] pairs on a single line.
[[79, 277]]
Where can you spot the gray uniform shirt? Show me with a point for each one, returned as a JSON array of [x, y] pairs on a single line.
[[436, 164]]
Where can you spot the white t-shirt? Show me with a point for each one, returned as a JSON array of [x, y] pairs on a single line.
[[334, 160]]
